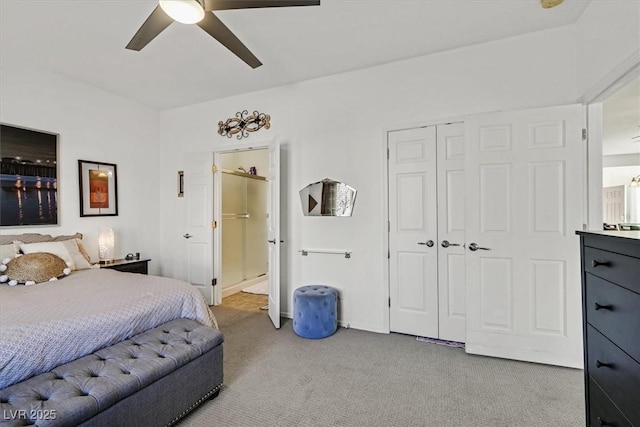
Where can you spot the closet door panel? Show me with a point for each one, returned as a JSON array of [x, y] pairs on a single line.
[[413, 269], [525, 198], [451, 232]]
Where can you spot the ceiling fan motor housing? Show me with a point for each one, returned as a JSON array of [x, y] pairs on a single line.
[[183, 11], [547, 4]]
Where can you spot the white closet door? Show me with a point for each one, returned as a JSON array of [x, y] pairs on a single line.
[[525, 199], [413, 270], [451, 251]]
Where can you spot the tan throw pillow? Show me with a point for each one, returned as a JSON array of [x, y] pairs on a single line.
[[56, 248], [83, 251], [78, 238], [33, 268], [79, 261]]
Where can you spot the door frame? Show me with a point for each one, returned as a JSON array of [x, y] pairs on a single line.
[[218, 149], [384, 134], [620, 76]]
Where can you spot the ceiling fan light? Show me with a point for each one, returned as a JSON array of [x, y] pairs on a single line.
[[184, 11], [547, 4]]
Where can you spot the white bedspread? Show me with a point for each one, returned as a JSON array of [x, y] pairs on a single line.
[[45, 325]]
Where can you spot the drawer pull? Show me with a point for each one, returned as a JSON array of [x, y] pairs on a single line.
[[600, 364], [603, 423], [595, 263], [603, 307]]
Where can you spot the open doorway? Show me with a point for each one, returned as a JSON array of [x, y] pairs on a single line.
[[244, 195], [621, 158]]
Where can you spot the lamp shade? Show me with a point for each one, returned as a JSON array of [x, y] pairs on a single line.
[[184, 11], [106, 244]]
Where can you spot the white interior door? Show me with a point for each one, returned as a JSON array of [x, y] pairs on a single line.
[[413, 269], [198, 233], [452, 322], [613, 199], [273, 231], [525, 193]]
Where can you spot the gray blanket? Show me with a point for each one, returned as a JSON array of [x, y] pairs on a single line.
[[45, 325]]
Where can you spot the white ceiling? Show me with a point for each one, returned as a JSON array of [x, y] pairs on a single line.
[[85, 40]]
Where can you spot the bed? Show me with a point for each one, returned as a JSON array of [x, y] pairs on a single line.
[[102, 347]]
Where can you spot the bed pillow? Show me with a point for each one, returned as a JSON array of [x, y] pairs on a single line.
[[68, 250], [33, 268], [79, 260], [56, 248], [8, 251], [78, 238]]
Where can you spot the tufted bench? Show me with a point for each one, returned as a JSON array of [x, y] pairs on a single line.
[[315, 311], [133, 382]]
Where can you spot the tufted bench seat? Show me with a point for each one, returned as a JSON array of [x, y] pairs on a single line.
[[124, 384]]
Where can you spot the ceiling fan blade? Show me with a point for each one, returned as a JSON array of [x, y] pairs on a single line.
[[212, 25], [252, 4], [154, 25]]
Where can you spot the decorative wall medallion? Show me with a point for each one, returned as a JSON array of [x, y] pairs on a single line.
[[242, 124]]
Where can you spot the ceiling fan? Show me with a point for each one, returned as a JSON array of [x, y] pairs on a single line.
[[200, 12]]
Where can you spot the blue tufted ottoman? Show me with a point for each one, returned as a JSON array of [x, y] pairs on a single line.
[[315, 310]]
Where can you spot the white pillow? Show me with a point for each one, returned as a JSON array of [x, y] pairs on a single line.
[[56, 248], [7, 251]]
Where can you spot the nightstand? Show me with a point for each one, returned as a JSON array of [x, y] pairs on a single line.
[[140, 266]]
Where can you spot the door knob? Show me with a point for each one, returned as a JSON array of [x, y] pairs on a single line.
[[187, 236], [273, 241], [446, 244], [474, 247], [428, 243]]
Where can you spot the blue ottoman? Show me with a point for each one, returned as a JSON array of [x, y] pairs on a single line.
[[315, 310]]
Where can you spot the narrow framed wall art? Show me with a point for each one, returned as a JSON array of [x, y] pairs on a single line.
[[98, 188]]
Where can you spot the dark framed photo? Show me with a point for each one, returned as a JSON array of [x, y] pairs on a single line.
[[98, 188], [28, 177]]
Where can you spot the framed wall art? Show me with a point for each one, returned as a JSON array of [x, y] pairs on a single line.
[[98, 188], [28, 177]]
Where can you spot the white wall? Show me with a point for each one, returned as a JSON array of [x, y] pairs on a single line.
[[93, 125], [333, 127], [607, 35], [619, 175]]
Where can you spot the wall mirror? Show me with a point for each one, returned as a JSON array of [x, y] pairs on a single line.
[[327, 198]]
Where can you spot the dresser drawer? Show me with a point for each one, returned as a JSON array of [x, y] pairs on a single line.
[[615, 312], [602, 412], [616, 372], [620, 269]]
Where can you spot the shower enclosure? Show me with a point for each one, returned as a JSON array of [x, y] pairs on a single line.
[[244, 230]]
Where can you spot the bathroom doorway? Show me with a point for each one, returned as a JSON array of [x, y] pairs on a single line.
[[244, 194]]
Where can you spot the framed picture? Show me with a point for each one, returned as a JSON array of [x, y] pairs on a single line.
[[98, 188], [28, 177]]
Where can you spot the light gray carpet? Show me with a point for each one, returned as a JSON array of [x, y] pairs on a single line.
[[355, 378]]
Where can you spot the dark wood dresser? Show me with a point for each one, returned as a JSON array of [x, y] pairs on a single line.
[[611, 325]]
